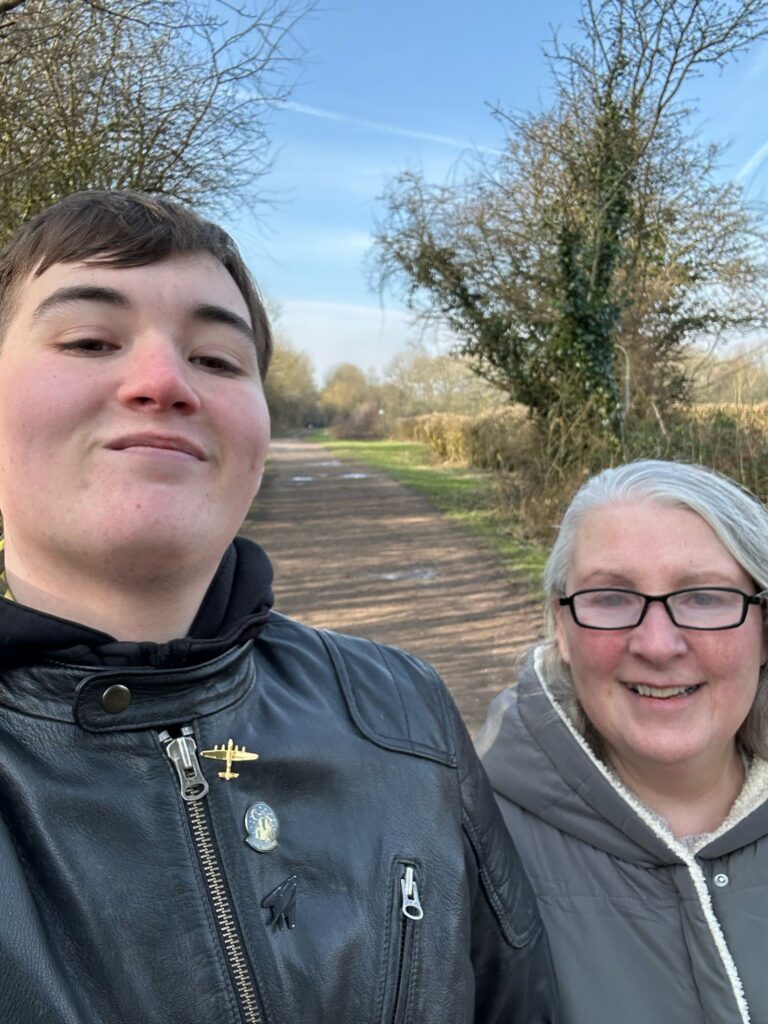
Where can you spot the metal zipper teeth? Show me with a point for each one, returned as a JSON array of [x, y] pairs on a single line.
[[223, 912], [404, 930]]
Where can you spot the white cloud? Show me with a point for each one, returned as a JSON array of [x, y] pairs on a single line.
[[323, 241], [334, 332]]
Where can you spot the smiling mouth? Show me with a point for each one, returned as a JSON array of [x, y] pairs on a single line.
[[663, 692], [172, 444]]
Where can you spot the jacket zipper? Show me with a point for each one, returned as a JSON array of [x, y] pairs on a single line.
[[411, 911], [182, 752]]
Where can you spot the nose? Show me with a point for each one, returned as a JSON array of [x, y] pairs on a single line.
[[657, 638], [157, 377]]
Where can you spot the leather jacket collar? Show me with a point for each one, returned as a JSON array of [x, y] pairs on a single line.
[[147, 697]]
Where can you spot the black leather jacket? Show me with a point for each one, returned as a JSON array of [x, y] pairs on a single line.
[[125, 903]]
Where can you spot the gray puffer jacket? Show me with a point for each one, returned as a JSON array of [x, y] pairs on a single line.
[[643, 929]]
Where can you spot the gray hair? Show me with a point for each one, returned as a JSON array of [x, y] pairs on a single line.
[[738, 519]]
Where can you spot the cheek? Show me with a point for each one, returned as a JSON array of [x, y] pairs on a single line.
[[39, 410], [725, 654], [763, 644], [594, 667], [247, 429], [29, 435], [31, 439], [593, 655]]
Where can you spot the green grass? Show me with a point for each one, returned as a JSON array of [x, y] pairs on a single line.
[[468, 497]]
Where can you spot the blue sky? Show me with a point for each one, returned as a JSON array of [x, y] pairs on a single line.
[[408, 85]]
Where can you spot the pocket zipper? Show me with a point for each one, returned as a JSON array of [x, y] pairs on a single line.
[[411, 911]]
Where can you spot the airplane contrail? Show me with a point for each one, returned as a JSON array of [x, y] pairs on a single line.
[[753, 163], [381, 126]]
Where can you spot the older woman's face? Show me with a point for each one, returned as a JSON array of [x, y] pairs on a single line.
[[655, 549]]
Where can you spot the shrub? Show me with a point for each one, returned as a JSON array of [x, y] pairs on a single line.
[[362, 423], [496, 440], [540, 467]]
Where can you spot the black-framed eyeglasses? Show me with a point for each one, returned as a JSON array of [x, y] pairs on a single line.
[[690, 608]]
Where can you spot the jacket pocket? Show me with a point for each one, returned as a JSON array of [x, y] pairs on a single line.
[[403, 936]]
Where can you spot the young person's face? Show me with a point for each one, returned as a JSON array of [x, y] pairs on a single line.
[[132, 416]]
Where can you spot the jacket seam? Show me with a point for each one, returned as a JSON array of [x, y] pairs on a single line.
[[512, 936], [404, 745], [388, 938], [398, 691]]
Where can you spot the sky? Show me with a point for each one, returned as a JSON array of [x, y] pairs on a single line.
[[409, 84]]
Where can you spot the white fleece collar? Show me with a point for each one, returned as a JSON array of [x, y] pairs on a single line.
[[753, 793]]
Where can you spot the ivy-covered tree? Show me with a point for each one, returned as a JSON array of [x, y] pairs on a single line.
[[577, 267]]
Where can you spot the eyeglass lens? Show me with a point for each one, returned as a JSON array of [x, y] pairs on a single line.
[[702, 608]]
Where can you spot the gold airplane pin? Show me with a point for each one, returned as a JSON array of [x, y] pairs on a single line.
[[229, 753]]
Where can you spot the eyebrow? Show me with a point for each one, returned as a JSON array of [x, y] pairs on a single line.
[[79, 293], [209, 313], [204, 311], [715, 578]]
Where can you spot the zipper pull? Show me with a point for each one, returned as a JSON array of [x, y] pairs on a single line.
[[411, 905], [182, 751]]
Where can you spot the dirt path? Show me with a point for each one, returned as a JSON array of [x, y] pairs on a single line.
[[358, 552]]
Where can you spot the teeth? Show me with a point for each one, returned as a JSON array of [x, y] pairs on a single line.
[[662, 693]]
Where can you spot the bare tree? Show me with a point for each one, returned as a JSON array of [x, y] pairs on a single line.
[[292, 395], [577, 268], [416, 382], [171, 96]]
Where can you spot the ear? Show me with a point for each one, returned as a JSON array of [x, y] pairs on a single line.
[[560, 632]]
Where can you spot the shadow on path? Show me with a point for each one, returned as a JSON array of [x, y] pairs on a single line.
[[357, 552]]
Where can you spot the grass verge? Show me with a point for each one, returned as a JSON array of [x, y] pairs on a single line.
[[468, 497]]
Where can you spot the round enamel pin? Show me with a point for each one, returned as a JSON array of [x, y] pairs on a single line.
[[262, 827]]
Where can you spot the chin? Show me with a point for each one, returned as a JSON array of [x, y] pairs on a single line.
[[668, 754], [149, 547]]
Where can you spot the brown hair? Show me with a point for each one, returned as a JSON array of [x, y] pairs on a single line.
[[123, 229]]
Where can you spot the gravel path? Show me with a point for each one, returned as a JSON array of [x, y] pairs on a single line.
[[357, 552]]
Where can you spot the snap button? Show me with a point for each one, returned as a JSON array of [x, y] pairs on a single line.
[[721, 881], [116, 699]]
